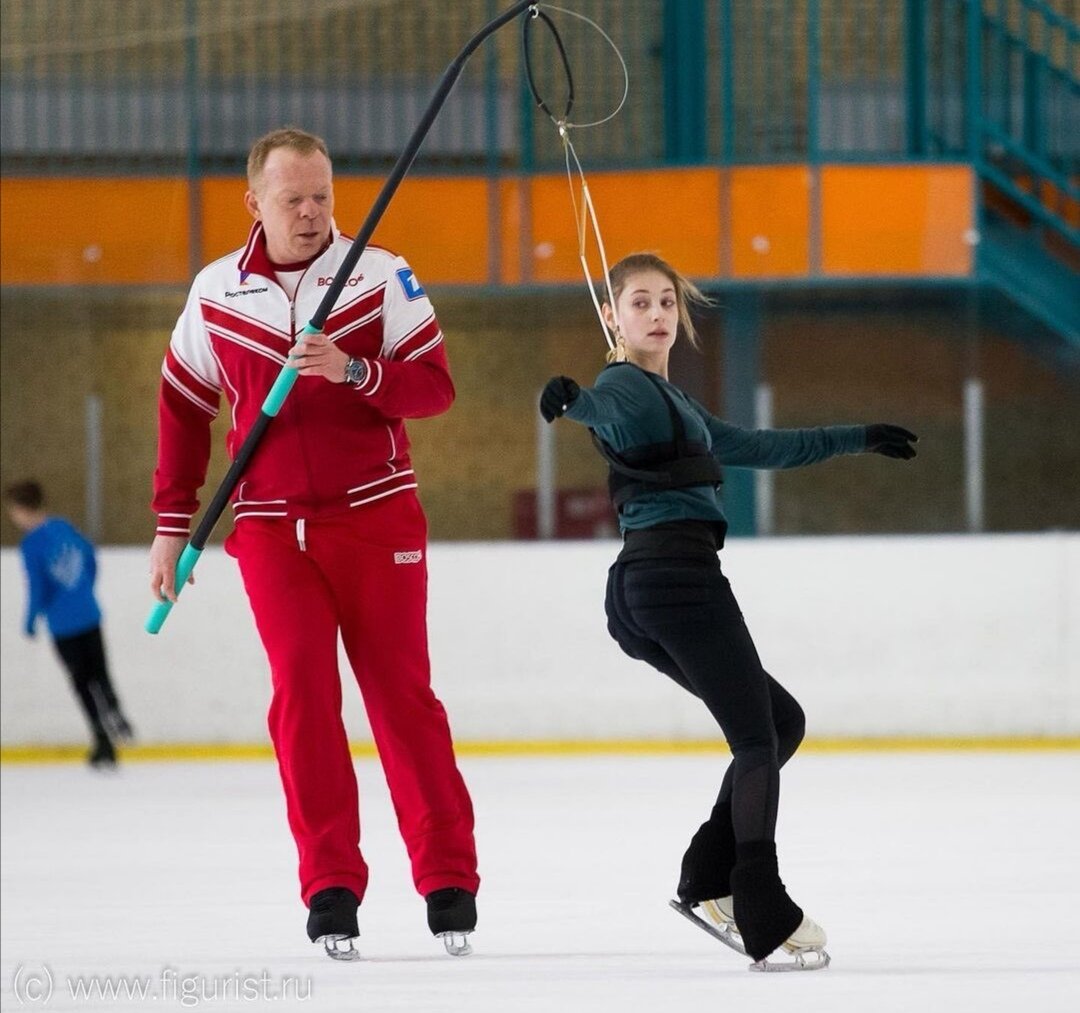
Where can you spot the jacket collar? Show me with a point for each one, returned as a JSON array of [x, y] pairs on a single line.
[[255, 260]]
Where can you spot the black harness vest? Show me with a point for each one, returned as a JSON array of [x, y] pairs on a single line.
[[678, 464]]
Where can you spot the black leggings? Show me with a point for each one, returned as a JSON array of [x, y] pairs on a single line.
[[83, 656], [680, 616]]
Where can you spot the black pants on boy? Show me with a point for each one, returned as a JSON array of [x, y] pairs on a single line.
[[83, 656], [669, 604]]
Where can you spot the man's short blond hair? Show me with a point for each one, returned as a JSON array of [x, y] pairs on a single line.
[[286, 137]]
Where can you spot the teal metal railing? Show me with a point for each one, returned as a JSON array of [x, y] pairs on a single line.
[[1023, 139], [1025, 113]]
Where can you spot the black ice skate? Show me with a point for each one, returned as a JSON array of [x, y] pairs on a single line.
[[102, 756], [451, 916], [332, 922], [121, 727]]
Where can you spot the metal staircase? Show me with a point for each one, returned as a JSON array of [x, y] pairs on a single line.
[[1024, 140]]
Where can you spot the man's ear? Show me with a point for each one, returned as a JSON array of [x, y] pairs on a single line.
[[251, 202]]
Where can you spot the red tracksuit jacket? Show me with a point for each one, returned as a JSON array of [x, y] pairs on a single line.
[[332, 446]]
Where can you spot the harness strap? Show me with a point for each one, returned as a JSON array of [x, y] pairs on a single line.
[[678, 464]]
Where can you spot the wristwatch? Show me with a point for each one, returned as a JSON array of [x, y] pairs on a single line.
[[356, 371]]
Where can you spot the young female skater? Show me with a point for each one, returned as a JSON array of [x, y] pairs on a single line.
[[669, 604]]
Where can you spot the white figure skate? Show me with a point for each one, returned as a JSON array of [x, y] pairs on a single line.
[[716, 917], [806, 944]]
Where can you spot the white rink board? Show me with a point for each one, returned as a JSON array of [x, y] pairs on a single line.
[[876, 636]]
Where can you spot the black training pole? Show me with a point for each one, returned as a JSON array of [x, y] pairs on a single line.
[[287, 377]]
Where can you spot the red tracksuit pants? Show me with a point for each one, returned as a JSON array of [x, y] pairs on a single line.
[[363, 574]]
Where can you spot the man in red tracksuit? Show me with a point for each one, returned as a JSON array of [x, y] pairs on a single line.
[[329, 534]]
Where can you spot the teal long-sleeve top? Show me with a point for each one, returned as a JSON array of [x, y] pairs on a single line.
[[626, 410]]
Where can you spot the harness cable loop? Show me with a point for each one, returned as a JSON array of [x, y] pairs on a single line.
[[534, 14], [681, 463], [586, 214]]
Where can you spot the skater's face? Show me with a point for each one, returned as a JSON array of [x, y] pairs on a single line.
[[648, 316], [23, 518], [293, 197]]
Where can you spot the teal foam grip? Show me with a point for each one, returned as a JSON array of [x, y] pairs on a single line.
[[188, 558], [284, 383]]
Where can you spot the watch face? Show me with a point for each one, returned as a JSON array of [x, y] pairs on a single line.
[[355, 371]]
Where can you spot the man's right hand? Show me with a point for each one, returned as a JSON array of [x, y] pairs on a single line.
[[164, 554]]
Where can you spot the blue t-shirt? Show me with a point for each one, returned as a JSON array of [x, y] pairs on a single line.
[[60, 571], [626, 411]]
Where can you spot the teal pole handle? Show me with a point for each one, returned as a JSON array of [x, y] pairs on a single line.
[[188, 558], [284, 383]]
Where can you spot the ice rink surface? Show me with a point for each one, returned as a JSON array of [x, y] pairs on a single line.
[[946, 882]]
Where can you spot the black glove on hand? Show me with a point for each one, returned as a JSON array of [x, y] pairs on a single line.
[[559, 394], [892, 441]]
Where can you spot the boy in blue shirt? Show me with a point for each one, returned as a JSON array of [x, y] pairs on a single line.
[[60, 571]]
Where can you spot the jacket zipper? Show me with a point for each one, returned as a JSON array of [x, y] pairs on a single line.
[[300, 432]]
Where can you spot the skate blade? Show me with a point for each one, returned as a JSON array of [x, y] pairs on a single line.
[[810, 959], [728, 937], [456, 943], [339, 947]]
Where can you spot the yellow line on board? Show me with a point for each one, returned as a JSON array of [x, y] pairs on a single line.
[[579, 747], [215, 751]]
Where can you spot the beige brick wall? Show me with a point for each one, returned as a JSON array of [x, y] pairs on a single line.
[[865, 359]]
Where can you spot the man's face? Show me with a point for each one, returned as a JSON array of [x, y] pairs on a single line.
[[294, 199]]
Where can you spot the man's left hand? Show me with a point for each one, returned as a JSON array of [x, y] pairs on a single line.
[[317, 355]]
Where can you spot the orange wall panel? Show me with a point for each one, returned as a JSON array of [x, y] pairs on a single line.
[[769, 228], [440, 225], [224, 219], [674, 212], [69, 231], [746, 222], [896, 220], [512, 215]]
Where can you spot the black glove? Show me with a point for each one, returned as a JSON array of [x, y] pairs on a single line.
[[892, 441], [559, 393]]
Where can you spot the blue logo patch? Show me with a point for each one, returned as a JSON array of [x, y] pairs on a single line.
[[409, 284]]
